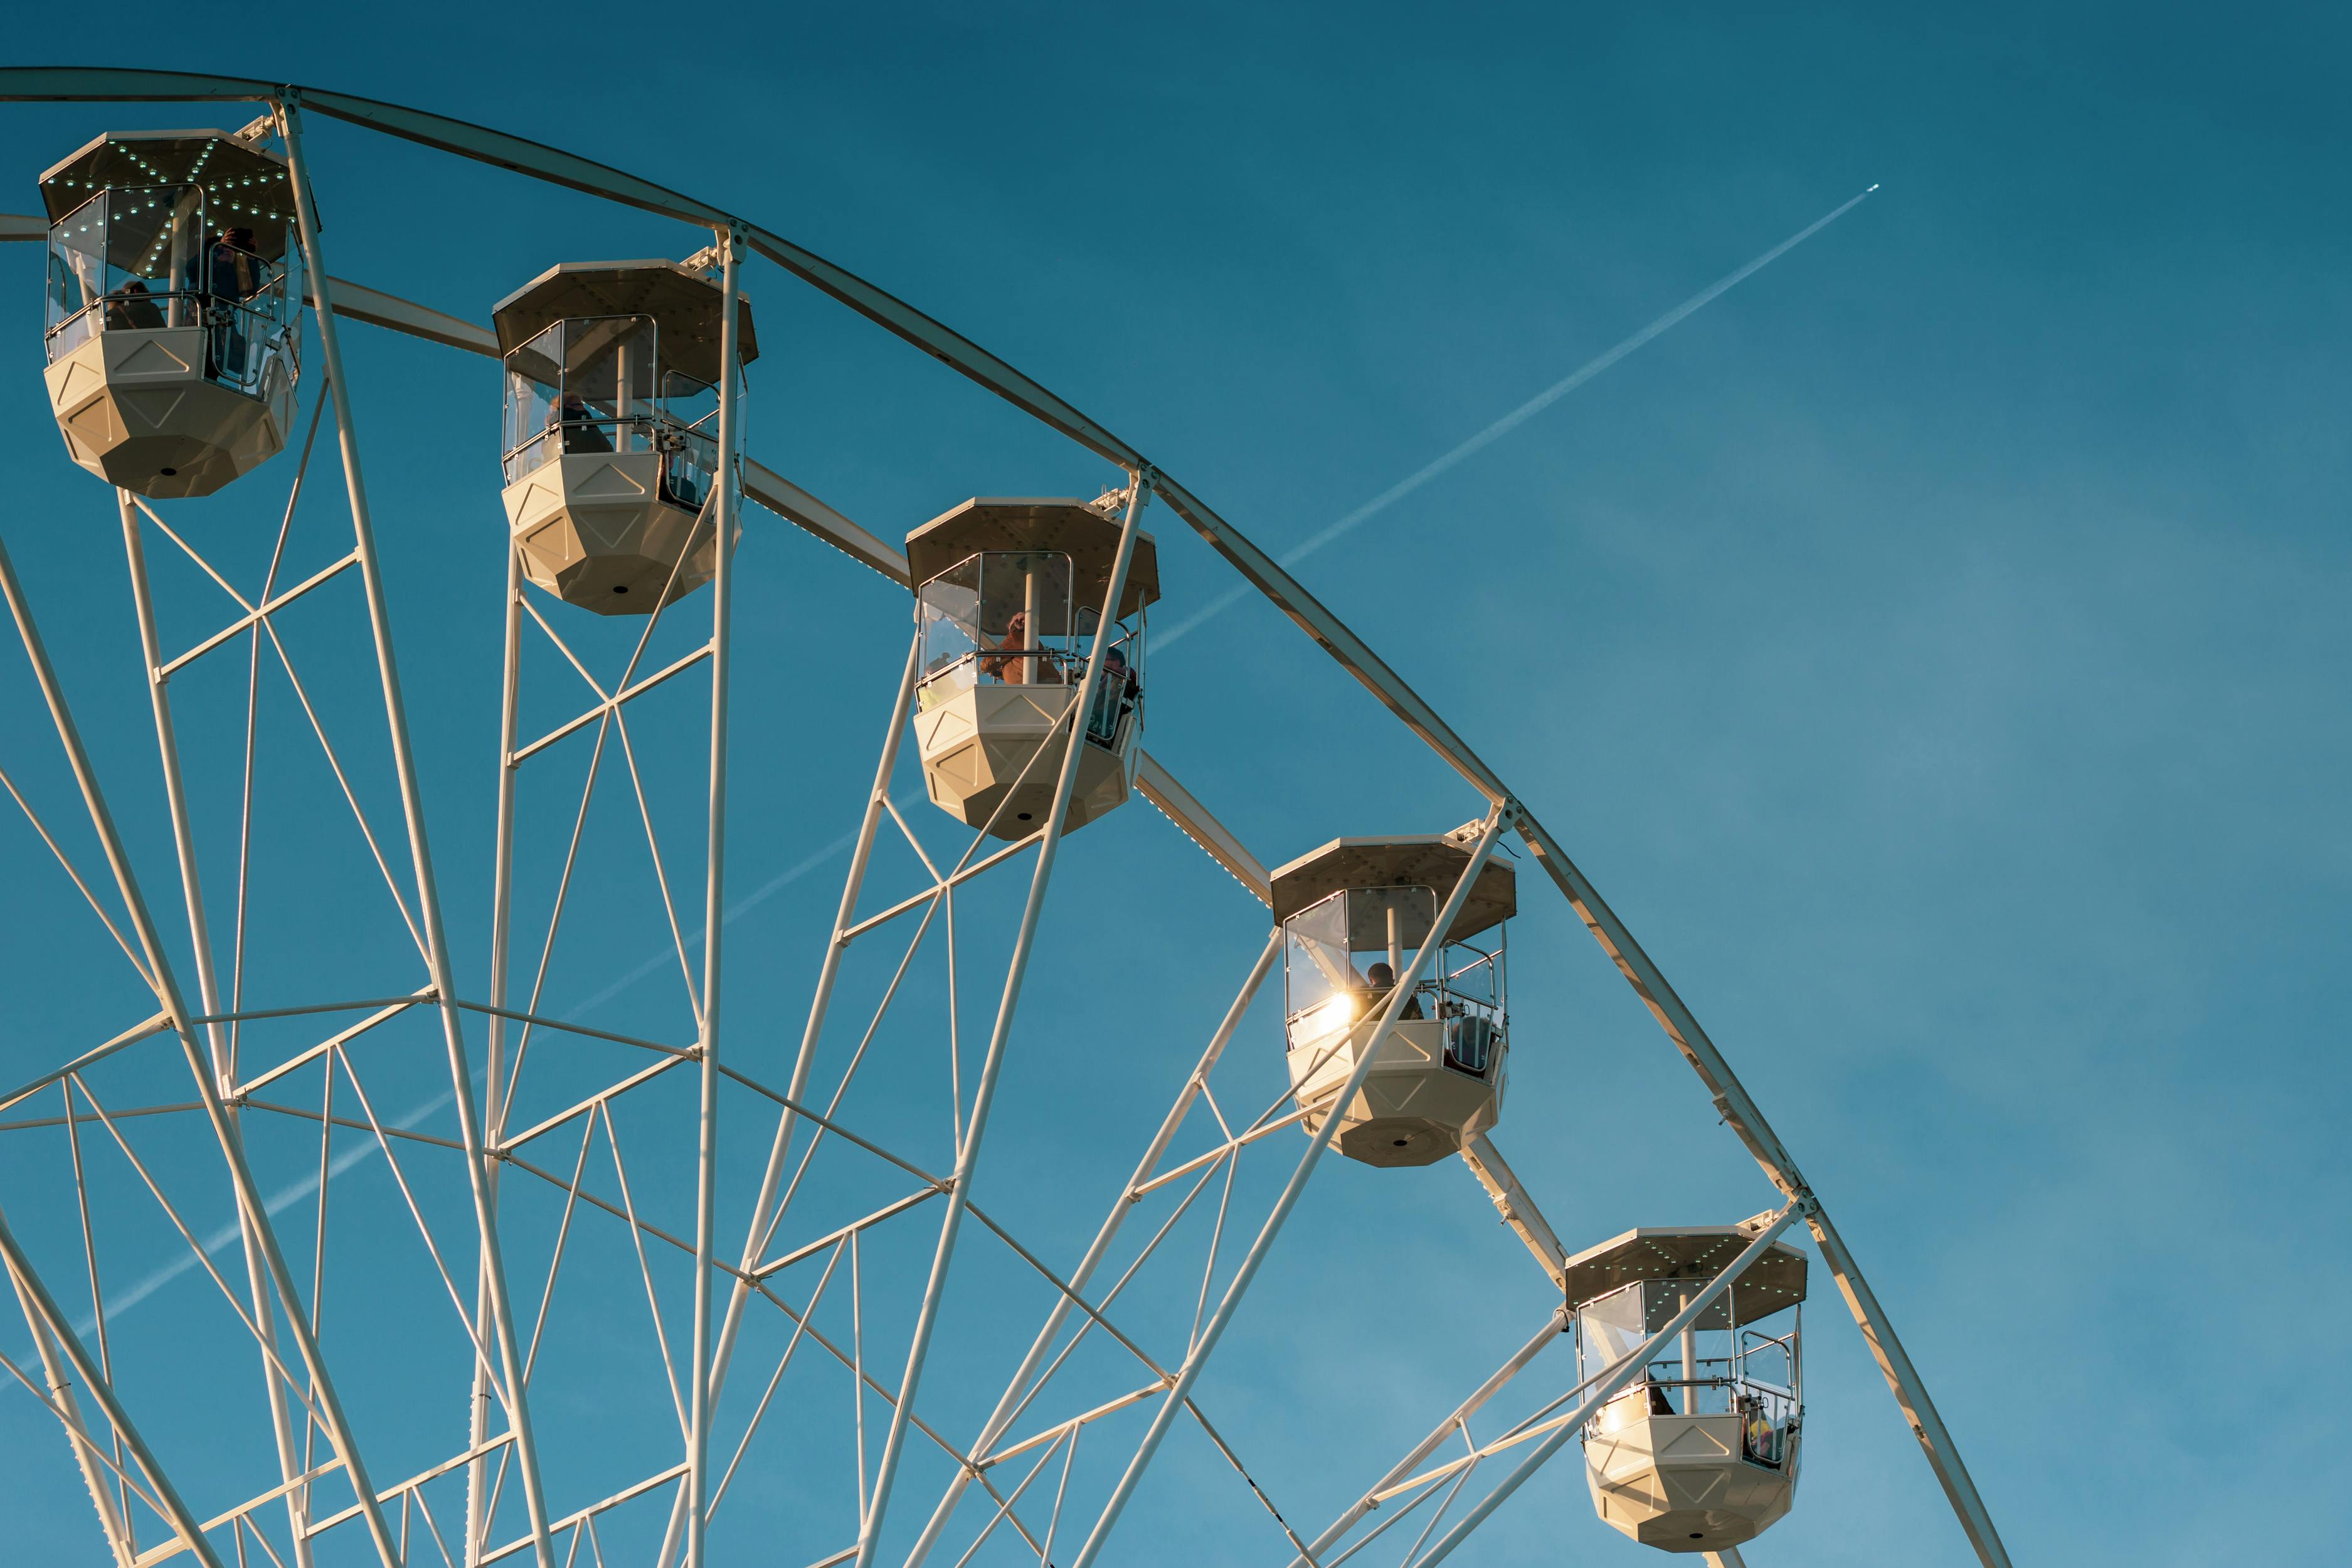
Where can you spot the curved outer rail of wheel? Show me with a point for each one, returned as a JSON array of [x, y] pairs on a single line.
[[538, 161]]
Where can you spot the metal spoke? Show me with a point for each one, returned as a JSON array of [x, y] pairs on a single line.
[[96, 1300], [555, 914], [408, 1197], [636, 1239], [661, 874], [783, 1364], [203, 1258], [252, 717], [68, 866]]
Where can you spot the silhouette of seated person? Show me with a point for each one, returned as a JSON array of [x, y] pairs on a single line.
[[1382, 980], [1016, 662], [581, 431], [1659, 1403], [134, 308]]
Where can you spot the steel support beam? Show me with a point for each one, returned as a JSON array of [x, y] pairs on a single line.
[[36, 1296], [428, 898], [703, 1397], [763, 1218], [251, 1210], [494, 1106], [1194, 820], [1205, 1344], [183, 838], [983, 1097], [960, 353], [77, 1435], [1545, 1337], [1016, 1392], [1517, 1207]]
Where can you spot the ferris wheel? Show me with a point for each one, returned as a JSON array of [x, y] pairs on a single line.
[[628, 1273]]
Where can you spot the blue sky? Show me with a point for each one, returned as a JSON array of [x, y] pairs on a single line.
[[1933, 648]]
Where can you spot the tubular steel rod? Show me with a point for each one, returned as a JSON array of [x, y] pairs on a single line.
[[36, 1294], [1486, 1391], [540, 162], [494, 1105], [1017, 1391], [788, 1117], [412, 801], [714, 915], [183, 840], [87, 1456], [1180, 1390], [252, 1212], [984, 1094]]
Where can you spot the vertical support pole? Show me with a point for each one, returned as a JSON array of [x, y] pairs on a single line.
[[1690, 1360], [968, 1157], [706, 1219], [494, 1107], [78, 1434], [428, 898], [1608, 1387], [30, 1288], [787, 1121], [1018, 1389], [1180, 1390], [252, 1213], [1025, 669], [183, 840]]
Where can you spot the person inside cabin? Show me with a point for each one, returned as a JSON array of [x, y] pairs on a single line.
[[1115, 698], [1382, 979], [234, 274], [581, 431], [1008, 665], [132, 308], [237, 270]]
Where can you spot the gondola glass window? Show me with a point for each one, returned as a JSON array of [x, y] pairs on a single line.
[[1699, 1451], [1437, 1078], [611, 430], [1007, 599], [173, 309], [598, 385]]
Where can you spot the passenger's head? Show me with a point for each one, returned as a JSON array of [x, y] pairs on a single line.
[[1380, 975], [1115, 659]]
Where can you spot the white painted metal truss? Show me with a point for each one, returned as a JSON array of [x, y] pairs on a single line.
[[767, 1344]]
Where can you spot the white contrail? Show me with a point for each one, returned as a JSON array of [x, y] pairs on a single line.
[[1518, 416], [221, 1239]]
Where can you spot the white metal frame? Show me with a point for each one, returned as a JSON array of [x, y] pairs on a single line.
[[501, 1372]]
